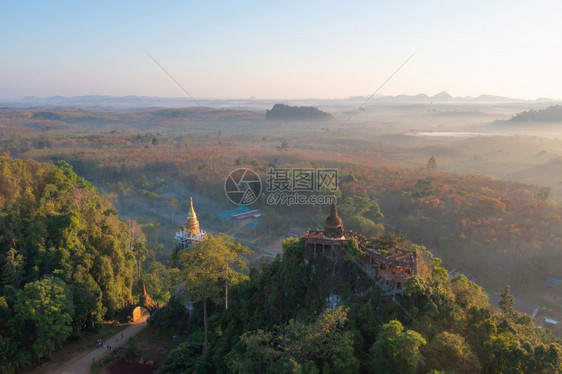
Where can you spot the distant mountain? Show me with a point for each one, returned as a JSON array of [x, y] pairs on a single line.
[[495, 99], [131, 101], [550, 114], [444, 96], [296, 113]]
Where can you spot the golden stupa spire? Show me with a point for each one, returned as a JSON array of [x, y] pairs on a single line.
[[192, 224]]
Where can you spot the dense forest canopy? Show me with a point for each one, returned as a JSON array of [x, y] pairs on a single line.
[[283, 319], [66, 259]]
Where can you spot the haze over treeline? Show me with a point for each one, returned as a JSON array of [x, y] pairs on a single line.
[[440, 124], [148, 161]]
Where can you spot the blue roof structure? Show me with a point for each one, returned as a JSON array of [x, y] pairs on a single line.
[[553, 281], [232, 213]]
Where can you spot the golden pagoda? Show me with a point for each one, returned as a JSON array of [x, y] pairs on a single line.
[[192, 224], [191, 233]]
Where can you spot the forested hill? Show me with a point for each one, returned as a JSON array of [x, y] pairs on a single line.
[[284, 112], [306, 313], [550, 114], [66, 258]]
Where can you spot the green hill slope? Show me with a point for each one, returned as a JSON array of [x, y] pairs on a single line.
[[65, 256]]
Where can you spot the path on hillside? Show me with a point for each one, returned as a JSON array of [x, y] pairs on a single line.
[[81, 363]]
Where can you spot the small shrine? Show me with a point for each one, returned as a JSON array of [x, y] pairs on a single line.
[[144, 305], [145, 300]]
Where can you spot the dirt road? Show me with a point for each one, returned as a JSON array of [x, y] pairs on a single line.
[[81, 363]]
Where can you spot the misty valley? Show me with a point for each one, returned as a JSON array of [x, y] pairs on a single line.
[[413, 234]]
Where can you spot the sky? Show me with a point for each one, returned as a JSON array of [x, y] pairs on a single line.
[[280, 49]]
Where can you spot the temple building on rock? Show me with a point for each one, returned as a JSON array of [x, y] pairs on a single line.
[[389, 267], [191, 233], [333, 236]]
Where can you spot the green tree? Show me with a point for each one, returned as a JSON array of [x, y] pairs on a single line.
[[153, 248], [298, 347], [12, 357], [233, 265], [353, 251], [364, 226], [503, 354], [157, 280], [467, 293], [451, 353], [480, 327], [174, 204], [544, 194], [48, 304], [362, 206], [88, 304], [284, 146], [141, 253], [431, 163], [506, 301], [207, 267], [545, 359], [438, 272], [12, 270], [5, 312], [396, 350]]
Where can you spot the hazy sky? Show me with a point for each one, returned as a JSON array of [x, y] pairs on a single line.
[[280, 49]]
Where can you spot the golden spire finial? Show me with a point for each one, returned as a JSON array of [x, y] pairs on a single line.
[[192, 224]]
